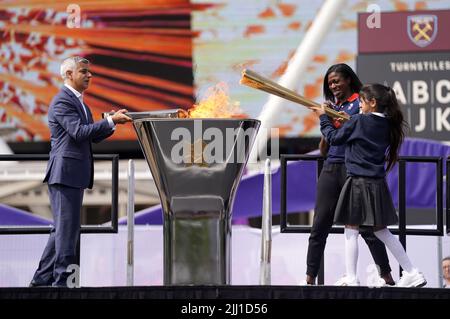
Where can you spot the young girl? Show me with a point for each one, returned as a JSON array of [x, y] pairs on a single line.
[[371, 137]]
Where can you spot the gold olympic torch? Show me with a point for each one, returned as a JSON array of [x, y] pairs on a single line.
[[256, 81]]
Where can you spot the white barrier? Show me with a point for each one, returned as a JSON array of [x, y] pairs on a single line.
[[102, 257]]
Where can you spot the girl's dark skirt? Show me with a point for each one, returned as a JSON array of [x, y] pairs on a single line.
[[365, 201]]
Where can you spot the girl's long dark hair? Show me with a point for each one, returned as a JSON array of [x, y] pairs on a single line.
[[387, 103], [347, 73]]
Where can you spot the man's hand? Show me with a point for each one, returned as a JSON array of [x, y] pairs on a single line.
[[119, 117]]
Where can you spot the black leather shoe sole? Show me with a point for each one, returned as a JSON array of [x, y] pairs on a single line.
[[36, 285]]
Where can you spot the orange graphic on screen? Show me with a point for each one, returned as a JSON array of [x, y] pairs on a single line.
[[141, 54]]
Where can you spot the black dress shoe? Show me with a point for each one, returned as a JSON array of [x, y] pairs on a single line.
[[34, 284]]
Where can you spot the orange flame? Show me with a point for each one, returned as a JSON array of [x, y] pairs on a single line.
[[216, 104]]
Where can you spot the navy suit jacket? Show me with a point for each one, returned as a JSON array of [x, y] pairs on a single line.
[[71, 162]]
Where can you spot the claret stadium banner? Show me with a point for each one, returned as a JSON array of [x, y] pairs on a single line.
[[411, 53]]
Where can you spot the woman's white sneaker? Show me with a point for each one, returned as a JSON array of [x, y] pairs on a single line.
[[347, 281], [377, 282], [305, 283]]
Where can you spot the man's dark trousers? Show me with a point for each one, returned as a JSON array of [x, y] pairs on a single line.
[[60, 251]]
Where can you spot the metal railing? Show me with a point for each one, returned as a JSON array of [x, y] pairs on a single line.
[[130, 224], [447, 196], [113, 228], [266, 227]]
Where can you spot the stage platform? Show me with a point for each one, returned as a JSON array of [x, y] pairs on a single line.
[[214, 302], [225, 292]]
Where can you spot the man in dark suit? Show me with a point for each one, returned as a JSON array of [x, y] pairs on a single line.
[[70, 168]]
